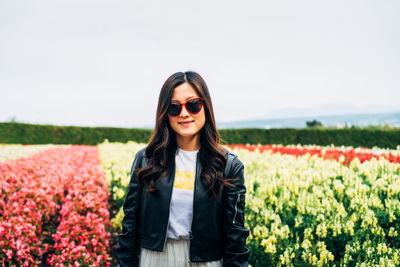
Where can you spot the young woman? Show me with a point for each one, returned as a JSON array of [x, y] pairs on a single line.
[[186, 197]]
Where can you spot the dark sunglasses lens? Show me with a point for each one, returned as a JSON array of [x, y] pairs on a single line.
[[194, 106], [174, 109]]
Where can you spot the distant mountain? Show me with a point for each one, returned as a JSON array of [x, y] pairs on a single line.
[[371, 119], [327, 110]]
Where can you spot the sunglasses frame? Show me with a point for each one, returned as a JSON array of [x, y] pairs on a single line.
[[184, 104]]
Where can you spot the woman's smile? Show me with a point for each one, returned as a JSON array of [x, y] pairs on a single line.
[[185, 123]]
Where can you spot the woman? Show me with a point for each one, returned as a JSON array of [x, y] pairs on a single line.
[[186, 197]]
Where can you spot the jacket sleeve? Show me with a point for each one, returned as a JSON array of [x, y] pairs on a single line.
[[235, 251], [128, 248]]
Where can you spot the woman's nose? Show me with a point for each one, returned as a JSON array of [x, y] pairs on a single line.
[[184, 112]]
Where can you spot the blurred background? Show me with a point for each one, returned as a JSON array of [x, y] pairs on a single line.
[[268, 64]]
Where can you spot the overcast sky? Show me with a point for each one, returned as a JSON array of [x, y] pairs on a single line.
[[104, 62]]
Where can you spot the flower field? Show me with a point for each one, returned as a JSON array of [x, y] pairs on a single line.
[[305, 205], [342, 154], [33, 197], [307, 211]]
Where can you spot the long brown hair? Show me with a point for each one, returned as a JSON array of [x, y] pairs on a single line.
[[160, 152]]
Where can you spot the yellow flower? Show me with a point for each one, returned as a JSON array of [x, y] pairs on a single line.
[[306, 244]]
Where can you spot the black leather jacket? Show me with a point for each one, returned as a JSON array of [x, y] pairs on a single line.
[[217, 228]]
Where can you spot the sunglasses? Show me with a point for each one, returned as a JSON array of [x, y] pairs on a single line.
[[193, 106]]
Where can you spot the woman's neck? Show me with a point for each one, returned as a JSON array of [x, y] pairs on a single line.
[[188, 143]]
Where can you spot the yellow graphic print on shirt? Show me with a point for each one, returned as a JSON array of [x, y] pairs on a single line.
[[184, 180]]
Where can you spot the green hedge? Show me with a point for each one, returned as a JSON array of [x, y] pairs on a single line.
[[21, 133], [356, 137]]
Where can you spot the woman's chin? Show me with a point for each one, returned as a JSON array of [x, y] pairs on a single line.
[[186, 133]]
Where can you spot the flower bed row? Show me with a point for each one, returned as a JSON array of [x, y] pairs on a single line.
[[31, 191], [116, 161], [82, 238], [10, 152], [307, 211], [342, 154]]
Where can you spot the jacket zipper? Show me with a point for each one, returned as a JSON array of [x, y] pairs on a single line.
[[194, 194], [169, 207], [166, 232], [237, 201]]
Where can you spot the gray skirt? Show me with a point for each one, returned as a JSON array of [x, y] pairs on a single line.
[[176, 254]]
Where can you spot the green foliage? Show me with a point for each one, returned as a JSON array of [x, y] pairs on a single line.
[[22, 133], [355, 137], [313, 124]]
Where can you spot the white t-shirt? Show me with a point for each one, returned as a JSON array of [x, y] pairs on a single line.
[[181, 210]]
